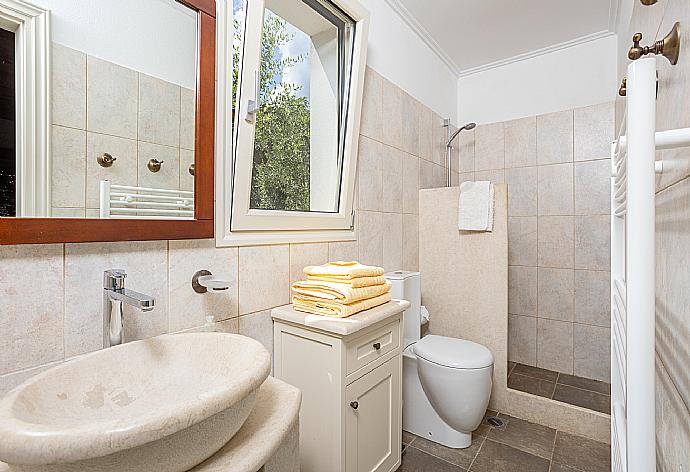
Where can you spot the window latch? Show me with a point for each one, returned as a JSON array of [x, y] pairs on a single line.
[[254, 105]]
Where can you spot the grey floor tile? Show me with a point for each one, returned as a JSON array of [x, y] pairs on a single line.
[[585, 384], [543, 388], [414, 460], [581, 453], [536, 372], [484, 427], [561, 468], [407, 438], [584, 398], [459, 457], [528, 437], [497, 457]]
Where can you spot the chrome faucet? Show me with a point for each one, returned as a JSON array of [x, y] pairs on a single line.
[[114, 295]]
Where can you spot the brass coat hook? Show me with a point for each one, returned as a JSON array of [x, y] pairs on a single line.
[[648, 2], [154, 165], [669, 47], [106, 160], [622, 90], [191, 169]]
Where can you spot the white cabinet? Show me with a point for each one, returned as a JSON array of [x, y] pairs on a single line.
[[351, 383]]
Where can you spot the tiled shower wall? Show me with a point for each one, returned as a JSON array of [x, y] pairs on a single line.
[[672, 239], [557, 170], [50, 295], [102, 107]]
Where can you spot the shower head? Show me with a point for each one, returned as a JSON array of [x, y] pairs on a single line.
[[467, 127]]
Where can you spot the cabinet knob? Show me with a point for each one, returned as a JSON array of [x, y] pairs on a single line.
[[377, 346], [354, 405]]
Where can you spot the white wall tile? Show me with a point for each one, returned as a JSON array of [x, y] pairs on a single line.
[[343, 251], [555, 246], [68, 172], [555, 137], [594, 131], [187, 118], [303, 255], [372, 122], [593, 242], [521, 142], [593, 187], [489, 147], [69, 86], [258, 326], [111, 98], [555, 191], [159, 111], [522, 191]]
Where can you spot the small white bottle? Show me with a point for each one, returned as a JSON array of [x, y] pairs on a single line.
[[210, 325]]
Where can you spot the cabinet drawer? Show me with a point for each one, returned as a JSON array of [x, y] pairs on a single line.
[[371, 346]]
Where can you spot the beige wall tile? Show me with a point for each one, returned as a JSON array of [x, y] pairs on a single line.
[[593, 297], [67, 212], [9, 381], [159, 111], [593, 128], [555, 137], [188, 308], [122, 172], [31, 306], [521, 142], [489, 147], [410, 125], [392, 241], [593, 187], [410, 184], [187, 118], [522, 290], [522, 191], [555, 244], [426, 131], [68, 173], [555, 189], [465, 148], [111, 98], [264, 277], [343, 251], [186, 179], [522, 240], [168, 177], [493, 176], [392, 173], [556, 288], [146, 264], [369, 174], [426, 174], [593, 242], [370, 234], [592, 352], [440, 138], [391, 109], [522, 339], [465, 177], [555, 345], [258, 326], [410, 242], [372, 118], [303, 255], [69, 86]]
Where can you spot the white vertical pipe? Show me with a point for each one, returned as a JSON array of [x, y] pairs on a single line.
[[104, 197], [640, 219]]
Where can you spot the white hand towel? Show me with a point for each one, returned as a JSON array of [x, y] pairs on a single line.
[[476, 206]]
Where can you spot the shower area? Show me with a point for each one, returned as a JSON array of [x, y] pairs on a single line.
[[557, 168]]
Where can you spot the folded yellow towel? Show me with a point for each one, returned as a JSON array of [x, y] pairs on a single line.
[[331, 308], [339, 292], [344, 270], [359, 282]]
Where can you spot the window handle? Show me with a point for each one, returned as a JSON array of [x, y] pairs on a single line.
[[254, 105]]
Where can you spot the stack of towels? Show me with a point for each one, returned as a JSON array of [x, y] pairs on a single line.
[[340, 289]]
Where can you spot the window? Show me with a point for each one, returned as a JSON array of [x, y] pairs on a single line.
[[297, 75]]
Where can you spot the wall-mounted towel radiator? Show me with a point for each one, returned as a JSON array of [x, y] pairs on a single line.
[[633, 428], [122, 201]]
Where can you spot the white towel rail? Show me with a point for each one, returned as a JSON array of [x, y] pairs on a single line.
[[124, 201], [633, 169]]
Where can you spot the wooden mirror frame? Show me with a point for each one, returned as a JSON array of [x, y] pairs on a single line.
[[79, 230]]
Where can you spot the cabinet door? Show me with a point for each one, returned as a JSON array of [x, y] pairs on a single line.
[[373, 420]]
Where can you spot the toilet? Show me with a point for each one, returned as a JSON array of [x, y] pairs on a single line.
[[446, 381]]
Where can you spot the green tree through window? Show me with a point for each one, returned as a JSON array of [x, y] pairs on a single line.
[[280, 169]]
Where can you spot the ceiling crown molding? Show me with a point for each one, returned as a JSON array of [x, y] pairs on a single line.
[[536, 53], [423, 34]]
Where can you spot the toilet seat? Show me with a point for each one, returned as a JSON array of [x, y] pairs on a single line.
[[453, 353]]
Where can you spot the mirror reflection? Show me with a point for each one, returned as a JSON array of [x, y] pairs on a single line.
[[116, 135]]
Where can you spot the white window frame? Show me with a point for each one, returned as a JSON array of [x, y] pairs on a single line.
[[31, 26], [252, 227]]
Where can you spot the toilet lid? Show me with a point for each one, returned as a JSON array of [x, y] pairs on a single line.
[[453, 352]]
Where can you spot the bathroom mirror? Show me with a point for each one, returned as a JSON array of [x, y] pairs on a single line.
[[107, 118]]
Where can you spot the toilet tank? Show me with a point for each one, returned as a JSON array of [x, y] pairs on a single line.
[[406, 285]]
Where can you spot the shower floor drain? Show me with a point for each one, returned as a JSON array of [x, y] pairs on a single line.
[[495, 422]]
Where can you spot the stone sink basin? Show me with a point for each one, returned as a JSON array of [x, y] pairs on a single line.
[[162, 404]]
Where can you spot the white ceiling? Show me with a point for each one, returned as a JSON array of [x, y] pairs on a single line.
[[471, 34]]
